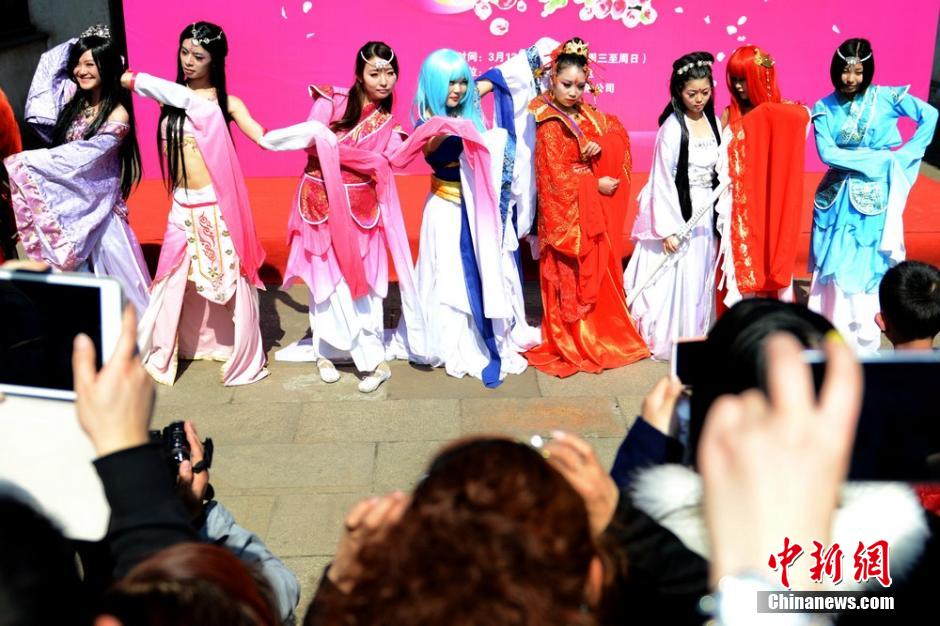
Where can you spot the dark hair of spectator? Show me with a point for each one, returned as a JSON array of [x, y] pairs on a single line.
[[735, 353], [39, 582], [910, 300], [494, 535], [191, 584]]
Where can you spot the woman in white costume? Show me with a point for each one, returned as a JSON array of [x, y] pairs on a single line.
[[669, 280], [467, 309]]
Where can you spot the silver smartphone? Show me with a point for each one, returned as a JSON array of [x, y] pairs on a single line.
[[40, 314]]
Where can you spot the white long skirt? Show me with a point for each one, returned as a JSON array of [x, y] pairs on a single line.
[[343, 330], [680, 301], [451, 338], [853, 315]]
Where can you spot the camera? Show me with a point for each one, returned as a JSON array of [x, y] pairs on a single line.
[[176, 447]]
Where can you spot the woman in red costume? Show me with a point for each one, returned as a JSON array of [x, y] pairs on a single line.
[[759, 234], [582, 168]]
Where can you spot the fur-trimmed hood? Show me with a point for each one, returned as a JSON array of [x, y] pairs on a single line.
[[869, 511]]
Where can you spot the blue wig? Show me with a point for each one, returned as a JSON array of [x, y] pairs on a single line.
[[439, 70]]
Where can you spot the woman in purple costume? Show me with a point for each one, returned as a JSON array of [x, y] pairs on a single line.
[[68, 199]]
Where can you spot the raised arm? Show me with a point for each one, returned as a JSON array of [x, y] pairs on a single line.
[[50, 90], [925, 116], [247, 124], [163, 91]]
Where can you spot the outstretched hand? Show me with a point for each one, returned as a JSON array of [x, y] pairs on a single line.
[[114, 405], [575, 459], [367, 521], [773, 467]]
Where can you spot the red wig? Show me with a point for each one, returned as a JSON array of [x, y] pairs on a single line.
[[756, 67]]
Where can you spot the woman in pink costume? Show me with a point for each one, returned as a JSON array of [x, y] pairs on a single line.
[[204, 299], [345, 214]]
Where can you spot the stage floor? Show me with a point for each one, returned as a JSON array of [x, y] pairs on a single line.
[[271, 201]]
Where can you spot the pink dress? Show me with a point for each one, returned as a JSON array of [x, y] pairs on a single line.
[[204, 298], [344, 216]]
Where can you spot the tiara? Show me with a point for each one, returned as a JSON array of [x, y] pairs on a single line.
[[764, 60], [205, 39], [685, 68], [379, 63], [98, 30], [852, 60]]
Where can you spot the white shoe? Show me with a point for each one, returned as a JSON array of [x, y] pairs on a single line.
[[328, 371], [372, 382]]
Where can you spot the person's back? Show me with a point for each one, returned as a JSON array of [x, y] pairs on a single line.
[[910, 305]]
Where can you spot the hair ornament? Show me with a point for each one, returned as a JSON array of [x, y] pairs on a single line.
[[201, 35], [379, 63], [685, 68], [98, 30], [853, 59], [764, 60]]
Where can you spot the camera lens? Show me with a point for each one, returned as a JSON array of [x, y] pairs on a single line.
[[175, 443]]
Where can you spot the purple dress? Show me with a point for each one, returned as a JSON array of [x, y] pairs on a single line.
[[67, 199]]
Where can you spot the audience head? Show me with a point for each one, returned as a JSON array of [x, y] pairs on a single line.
[[910, 303], [493, 535], [189, 584], [735, 351], [39, 581]]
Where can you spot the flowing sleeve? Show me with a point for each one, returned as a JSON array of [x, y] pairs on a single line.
[[166, 92], [617, 127], [558, 188], [868, 162], [660, 213], [515, 84], [925, 116], [61, 196], [297, 137], [50, 90]]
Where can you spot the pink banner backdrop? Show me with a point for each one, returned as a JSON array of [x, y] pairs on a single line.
[[277, 47]]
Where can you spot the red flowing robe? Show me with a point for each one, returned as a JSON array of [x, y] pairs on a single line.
[[586, 326], [765, 162], [9, 144]]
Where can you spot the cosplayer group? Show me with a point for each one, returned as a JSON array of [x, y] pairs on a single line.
[[718, 219]]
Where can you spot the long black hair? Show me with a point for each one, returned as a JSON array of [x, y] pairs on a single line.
[[694, 66], [855, 47], [357, 91], [110, 65], [213, 40]]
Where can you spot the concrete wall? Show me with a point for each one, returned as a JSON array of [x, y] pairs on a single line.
[[57, 20]]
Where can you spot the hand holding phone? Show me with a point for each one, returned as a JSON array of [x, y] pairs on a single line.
[[42, 314], [114, 405]]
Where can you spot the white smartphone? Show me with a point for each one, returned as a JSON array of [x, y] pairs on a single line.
[[40, 314]]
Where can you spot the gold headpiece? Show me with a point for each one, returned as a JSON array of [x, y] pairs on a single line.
[[98, 30], [576, 48], [764, 60]]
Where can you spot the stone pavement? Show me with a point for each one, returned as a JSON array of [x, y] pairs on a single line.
[[293, 454]]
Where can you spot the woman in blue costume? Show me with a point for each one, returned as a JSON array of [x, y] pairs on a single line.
[[467, 314], [858, 231]]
